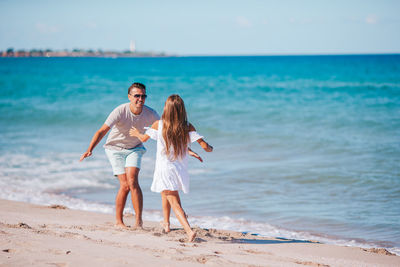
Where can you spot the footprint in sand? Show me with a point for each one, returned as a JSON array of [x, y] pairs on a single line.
[[310, 263], [23, 225], [58, 207], [58, 264]]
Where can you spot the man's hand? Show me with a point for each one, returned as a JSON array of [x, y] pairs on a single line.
[[95, 140], [85, 155], [195, 155]]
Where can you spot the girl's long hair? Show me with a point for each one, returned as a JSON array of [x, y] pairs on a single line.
[[175, 127]]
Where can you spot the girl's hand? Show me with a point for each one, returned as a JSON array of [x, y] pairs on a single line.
[[134, 132], [209, 148], [195, 155]]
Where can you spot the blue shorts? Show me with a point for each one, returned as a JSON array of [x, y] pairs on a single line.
[[121, 159]]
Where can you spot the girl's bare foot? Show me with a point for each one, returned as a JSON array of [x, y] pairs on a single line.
[[191, 236], [121, 225], [165, 227]]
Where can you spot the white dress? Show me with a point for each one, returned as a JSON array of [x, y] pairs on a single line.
[[169, 174]]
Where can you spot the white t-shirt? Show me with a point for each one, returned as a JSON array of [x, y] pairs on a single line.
[[121, 120]]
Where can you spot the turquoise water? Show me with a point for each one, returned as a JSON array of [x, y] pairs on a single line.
[[306, 147]]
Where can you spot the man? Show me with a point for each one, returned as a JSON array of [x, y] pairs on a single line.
[[124, 151]]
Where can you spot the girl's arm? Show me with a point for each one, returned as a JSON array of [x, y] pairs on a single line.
[[194, 154], [142, 137], [203, 144]]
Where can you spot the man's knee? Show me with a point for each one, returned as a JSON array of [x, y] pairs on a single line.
[[134, 185], [133, 178], [124, 188]]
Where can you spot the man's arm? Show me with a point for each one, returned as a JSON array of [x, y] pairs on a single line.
[[95, 140]]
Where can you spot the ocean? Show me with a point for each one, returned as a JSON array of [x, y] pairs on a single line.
[[305, 147]]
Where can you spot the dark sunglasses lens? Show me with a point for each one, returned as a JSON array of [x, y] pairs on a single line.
[[137, 96]]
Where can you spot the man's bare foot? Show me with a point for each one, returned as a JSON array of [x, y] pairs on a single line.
[[138, 225], [165, 227], [191, 236], [121, 225]]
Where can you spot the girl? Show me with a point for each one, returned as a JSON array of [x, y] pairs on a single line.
[[173, 134]]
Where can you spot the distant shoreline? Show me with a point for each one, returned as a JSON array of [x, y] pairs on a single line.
[[163, 55], [79, 53]]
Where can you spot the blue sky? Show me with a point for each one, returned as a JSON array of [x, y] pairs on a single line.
[[204, 27]]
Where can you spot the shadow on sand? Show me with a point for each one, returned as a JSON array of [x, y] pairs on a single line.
[[270, 241]]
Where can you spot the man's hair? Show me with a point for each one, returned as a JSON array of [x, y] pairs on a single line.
[[136, 85]]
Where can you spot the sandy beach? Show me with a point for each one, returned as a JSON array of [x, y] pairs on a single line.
[[58, 236]]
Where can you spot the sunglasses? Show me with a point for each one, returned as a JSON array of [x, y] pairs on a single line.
[[139, 96]]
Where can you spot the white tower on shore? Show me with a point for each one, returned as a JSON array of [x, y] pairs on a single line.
[[132, 46]]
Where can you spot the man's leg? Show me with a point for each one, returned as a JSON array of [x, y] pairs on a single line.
[[120, 200], [132, 175]]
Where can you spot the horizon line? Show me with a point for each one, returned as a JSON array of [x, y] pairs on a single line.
[[165, 54], [293, 54]]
